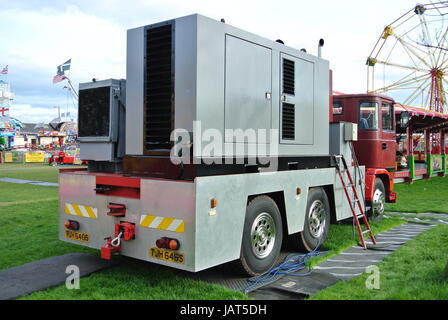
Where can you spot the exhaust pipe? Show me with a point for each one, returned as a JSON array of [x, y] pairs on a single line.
[[319, 48]]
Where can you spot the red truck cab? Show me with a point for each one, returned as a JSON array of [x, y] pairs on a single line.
[[376, 147]]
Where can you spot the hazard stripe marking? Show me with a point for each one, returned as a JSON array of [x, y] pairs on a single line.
[[80, 210], [162, 223]]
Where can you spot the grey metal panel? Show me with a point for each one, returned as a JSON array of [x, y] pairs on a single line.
[[97, 151], [338, 145], [185, 72], [218, 236], [78, 189], [210, 75], [248, 81], [134, 91], [303, 100]]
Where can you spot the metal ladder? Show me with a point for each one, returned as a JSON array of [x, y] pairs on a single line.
[[356, 203]]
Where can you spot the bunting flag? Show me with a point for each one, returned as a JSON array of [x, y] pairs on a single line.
[[4, 70]]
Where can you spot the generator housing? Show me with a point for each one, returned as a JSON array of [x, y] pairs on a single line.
[[195, 69]]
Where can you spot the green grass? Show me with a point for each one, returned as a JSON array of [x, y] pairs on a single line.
[[20, 193], [421, 196], [136, 280], [416, 271], [29, 232], [31, 171]]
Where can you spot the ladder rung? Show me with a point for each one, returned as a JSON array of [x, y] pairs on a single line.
[[366, 231]]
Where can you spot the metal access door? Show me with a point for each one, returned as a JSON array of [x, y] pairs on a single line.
[[296, 100], [248, 88]]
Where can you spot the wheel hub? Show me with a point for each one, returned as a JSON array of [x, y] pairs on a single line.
[[378, 203], [263, 235], [317, 219]]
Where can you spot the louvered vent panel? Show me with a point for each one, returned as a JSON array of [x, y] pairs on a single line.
[[94, 112], [288, 77], [288, 121], [159, 89]]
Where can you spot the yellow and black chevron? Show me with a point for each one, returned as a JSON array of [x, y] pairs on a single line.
[[81, 211], [162, 223]]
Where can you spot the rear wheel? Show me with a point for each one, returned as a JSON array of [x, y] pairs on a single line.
[[317, 220], [376, 211], [262, 236]]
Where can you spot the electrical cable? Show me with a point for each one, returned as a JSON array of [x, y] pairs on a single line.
[[291, 264]]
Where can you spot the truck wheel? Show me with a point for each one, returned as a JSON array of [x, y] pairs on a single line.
[[376, 211], [317, 220], [262, 236]]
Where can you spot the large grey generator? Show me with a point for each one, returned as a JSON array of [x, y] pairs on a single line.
[[193, 82]]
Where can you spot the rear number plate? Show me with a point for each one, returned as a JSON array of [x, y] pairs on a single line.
[[166, 255], [78, 236]]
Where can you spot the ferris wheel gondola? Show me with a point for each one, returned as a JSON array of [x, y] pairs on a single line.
[[413, 54]]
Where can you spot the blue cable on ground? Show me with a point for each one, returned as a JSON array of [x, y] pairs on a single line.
[[292, 264]]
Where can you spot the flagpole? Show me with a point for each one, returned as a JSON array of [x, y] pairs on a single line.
[[71, 86]]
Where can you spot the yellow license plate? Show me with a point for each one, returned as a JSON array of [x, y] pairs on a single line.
[[167, 255], [78, 236]]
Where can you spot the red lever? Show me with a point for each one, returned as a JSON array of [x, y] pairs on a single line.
[[116, 210]]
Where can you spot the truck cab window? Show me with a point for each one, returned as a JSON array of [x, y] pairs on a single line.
[[386, 116], [338, 108], [368, 116]]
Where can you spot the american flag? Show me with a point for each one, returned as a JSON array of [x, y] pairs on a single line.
[[3, 110], [4, 70], [58, 78]]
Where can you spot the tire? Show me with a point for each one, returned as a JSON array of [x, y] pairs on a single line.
[[262, 236], [376, 211], [317, 220]]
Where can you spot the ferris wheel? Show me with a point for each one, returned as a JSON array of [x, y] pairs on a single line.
[[410, 59]]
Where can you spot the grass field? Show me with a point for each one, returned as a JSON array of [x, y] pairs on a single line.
[[421, 196], [416, 271], [30, 171], [28, 220]]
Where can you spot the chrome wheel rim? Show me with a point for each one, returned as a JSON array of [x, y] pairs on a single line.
[[317, 219], [378, 203], [263, 233]]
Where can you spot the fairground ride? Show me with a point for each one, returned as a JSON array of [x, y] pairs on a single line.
[[410, 59]]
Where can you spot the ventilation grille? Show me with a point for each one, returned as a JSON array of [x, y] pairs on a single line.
[[288, 121], [94, 112], [159, 89], [289, 77]]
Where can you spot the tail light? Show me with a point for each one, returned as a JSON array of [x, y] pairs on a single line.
[[72, 225], [168, 243]]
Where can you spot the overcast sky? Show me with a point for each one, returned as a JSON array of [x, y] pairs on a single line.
[[38, 35]]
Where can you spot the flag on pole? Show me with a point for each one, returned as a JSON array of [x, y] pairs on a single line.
[[64, 67], [4, 70], [58, 78], [60, 74]]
